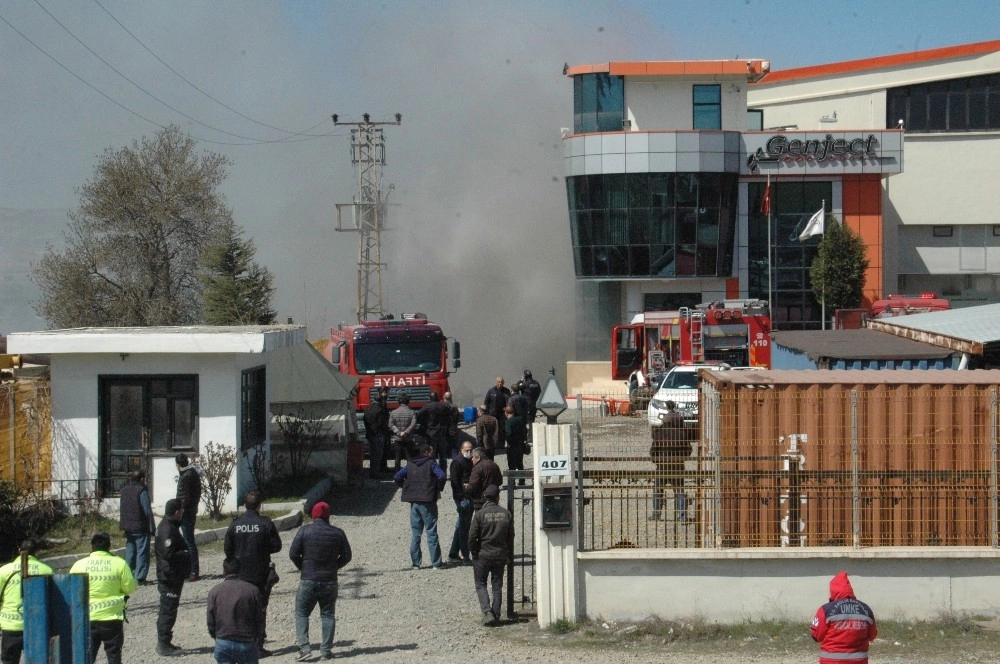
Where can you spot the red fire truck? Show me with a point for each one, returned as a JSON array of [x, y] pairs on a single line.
[[408, 355], [890, 307], [737, 332]]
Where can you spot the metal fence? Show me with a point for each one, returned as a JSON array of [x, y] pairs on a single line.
[[888, 466]]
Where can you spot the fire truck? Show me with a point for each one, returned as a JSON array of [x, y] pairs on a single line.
[[737, 332], [406, 355], [892, 306]]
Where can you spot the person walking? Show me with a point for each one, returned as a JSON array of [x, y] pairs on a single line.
[[487, 432], [233, 611], [402, 423], [252, 538], [189, 493], [495, 400], [173, 566], [461, 471], [485, 473], [110, 581], [844, 626], [517, 440], [491, 542], [319, 550], [422, 480], [135, 518], [12, 600], [670, 448], [378, 434]]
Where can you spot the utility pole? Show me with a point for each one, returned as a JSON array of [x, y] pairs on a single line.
[[369, 211]]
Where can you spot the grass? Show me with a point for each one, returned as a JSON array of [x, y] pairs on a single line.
[[292, 489]]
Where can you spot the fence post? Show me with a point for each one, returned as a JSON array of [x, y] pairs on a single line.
[[578, 474], [993, 469], [855, 468]]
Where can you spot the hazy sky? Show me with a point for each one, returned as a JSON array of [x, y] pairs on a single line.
[[481, 238]]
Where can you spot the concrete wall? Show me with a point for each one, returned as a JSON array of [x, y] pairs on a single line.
[[669, 104], [735, 585]]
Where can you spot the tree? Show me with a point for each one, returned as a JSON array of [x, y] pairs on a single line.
[[237, 291], [837, 274], [135, 244]]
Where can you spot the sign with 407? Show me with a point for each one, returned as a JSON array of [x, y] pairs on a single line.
[[556, 464]]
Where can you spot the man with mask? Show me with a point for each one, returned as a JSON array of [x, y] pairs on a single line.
[[461, 470]]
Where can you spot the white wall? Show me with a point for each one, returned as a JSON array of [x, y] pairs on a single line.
[[656, 104], [75, 435]]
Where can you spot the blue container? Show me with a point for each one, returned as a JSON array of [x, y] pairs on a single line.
[[470, 414]]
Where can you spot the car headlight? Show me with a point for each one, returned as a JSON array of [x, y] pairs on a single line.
[[656, 403]]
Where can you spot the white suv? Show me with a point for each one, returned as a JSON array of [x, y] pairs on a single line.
[[680, 385]]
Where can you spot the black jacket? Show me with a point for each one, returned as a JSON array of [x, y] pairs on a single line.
[[422, 480], [173, 562], [491, 535], [461, 469], [319, 550], [234, 611], [436, 420], [495, 400], [189, 490], [376, 419], [252, 538]]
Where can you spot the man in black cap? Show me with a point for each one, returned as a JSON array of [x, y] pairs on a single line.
[[189, 493], [491, 542], [173, 565]]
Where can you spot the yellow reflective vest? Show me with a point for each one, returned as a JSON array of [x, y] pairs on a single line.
[[110, 581], [11, 605]]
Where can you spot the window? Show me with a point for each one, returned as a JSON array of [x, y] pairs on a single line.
[[707, 107], [253, 407], [142, 415], [598, 103], [755, 119], [961, 104], [943, 231]]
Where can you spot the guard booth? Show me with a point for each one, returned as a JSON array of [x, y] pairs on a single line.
[[56, 619]]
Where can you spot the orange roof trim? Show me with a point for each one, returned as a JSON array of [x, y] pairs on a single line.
[[850, 66], [752, 67]]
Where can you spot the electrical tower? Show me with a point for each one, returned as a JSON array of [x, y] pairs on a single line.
[[369, 211]]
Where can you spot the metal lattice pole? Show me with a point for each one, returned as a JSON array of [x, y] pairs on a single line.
[[368, 211]]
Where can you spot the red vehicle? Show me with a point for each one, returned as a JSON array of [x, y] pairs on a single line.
[[737, 332], [407, 355], [890, 307]]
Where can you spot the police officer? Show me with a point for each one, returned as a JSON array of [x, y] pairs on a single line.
[[173, 565], [11, 602], [251, 539], [111, 582]]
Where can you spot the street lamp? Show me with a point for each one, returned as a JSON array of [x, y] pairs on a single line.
[[552, 402]]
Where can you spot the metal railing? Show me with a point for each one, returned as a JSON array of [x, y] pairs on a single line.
[[851, 468]]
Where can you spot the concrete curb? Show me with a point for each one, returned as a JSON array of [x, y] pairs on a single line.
[[291, 520]]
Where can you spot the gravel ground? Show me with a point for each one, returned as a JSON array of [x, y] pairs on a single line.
[[389, 612]]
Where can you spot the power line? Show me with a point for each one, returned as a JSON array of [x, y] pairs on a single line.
[[217, 101], [136, 113]]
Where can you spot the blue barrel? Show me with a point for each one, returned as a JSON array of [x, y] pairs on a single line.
[[470, 414]]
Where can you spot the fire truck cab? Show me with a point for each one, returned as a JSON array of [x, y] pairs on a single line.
[[737, 332]]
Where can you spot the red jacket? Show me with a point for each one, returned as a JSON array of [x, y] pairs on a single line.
[[844, 626]]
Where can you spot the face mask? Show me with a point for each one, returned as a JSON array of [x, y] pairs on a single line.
[[467, 455]]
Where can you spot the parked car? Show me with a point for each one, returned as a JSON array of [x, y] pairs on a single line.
[[680, 385]]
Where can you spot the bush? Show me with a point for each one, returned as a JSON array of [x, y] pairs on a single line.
[[218, 462], [22, 514]]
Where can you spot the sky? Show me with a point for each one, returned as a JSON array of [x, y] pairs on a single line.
[[479, 235]]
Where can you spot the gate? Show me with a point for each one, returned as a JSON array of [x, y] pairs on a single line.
[[521, 571]]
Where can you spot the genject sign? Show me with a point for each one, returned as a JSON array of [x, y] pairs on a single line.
[[782, 148]]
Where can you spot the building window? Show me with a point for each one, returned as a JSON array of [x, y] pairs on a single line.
[[755, 119], [253, 407], [961, 104], [707, 107], [996, 231], [143, 415], [598, 103], [943, 231], [653, 224]]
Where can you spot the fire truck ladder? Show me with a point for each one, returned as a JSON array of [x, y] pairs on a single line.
[[697, 320]]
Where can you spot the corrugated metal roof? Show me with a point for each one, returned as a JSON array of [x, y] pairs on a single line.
[[974, 324], [857, 345], [855, 377]]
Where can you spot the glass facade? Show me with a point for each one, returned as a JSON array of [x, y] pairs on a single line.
[[792, 203], [961, 104], [644, 225], [598, 103], [707, 107]]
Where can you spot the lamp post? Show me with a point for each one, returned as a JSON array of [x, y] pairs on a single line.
[[552, 402]]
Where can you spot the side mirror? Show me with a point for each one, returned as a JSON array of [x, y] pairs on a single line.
[[456, 354]]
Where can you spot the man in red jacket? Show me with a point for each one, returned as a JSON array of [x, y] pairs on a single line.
[[844, 626]]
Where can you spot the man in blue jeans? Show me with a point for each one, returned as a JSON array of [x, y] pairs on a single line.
[[136, 519], [233, 613], [422, 480], [318, 551]]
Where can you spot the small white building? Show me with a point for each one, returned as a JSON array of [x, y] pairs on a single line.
[[128, 398]]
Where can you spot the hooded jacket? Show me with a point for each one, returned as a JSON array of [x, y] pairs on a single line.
[[844, 626]]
